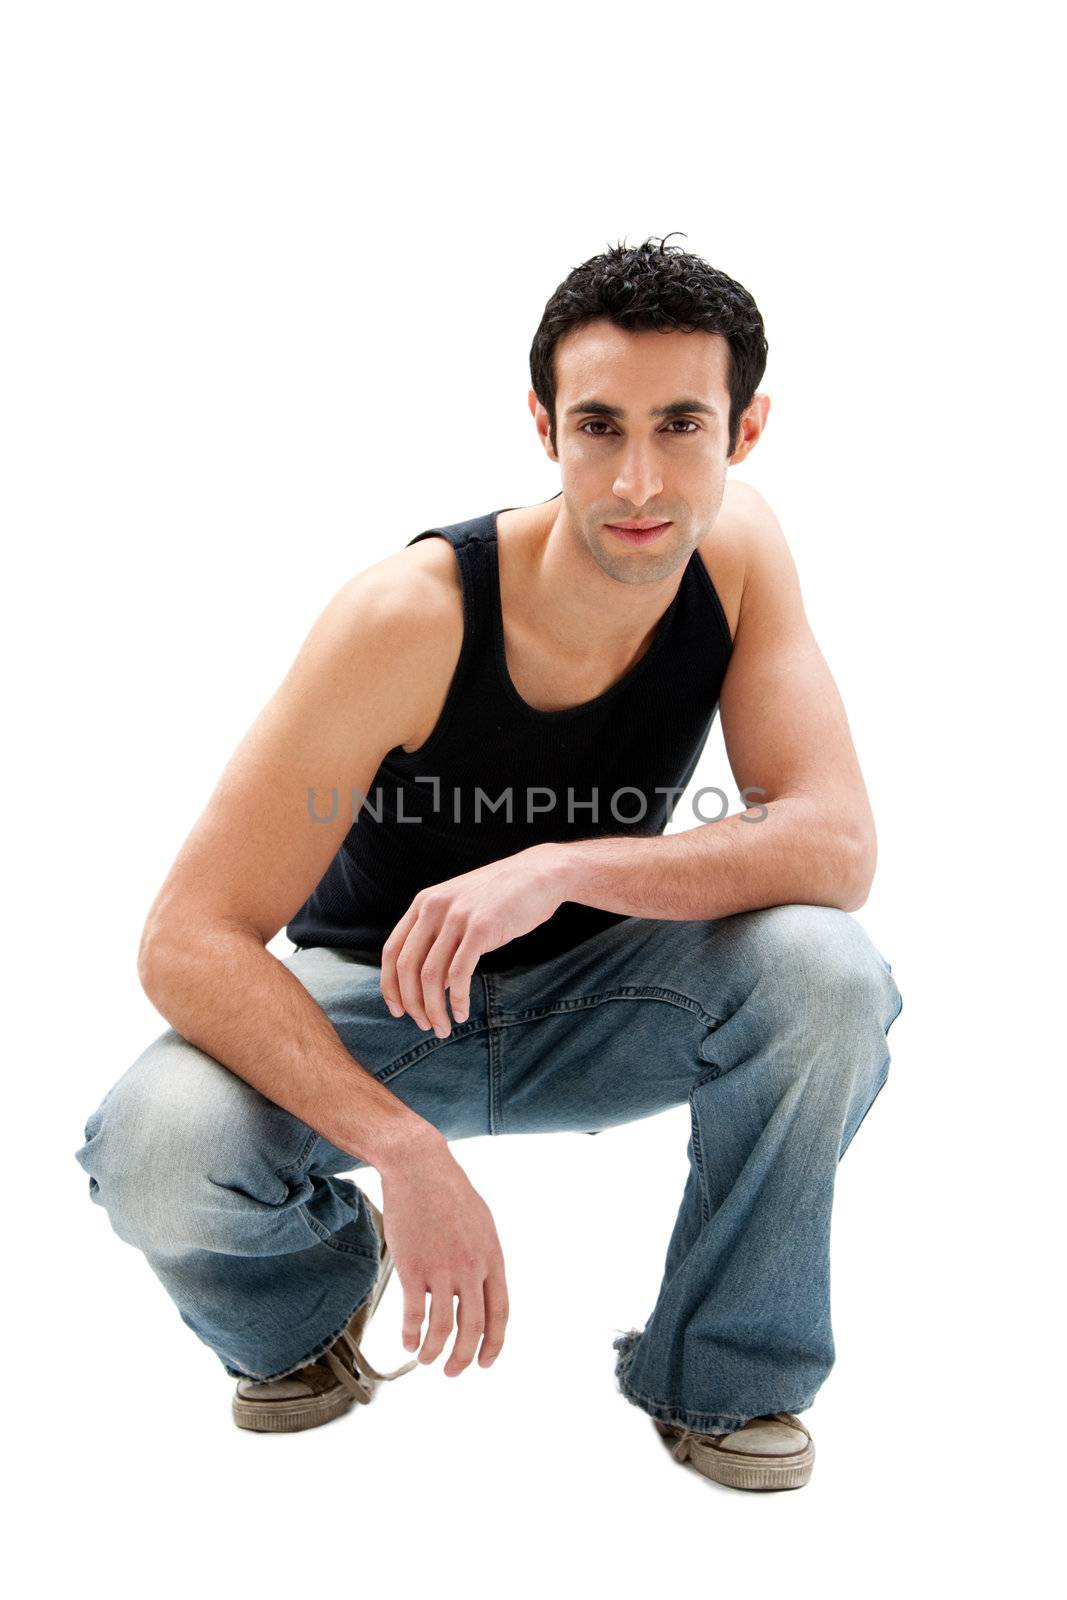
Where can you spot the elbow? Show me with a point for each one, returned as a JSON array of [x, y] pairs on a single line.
[[861, 859], [150, 947], [154, 950], [148, 963], [168, 945]]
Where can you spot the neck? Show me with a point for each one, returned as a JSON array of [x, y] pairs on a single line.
[[555, 584]]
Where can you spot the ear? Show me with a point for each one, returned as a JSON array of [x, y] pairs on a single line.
[[753, 422], [540, 416]]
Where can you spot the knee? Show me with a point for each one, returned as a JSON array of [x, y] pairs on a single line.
[[147, 1144], [818, 962], [177, 1141]]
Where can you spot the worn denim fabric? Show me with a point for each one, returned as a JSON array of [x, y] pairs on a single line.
[[771, 1025]]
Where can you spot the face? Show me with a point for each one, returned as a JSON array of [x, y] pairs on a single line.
[[620, 461]]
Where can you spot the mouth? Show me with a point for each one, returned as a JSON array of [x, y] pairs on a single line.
[[639, 533]]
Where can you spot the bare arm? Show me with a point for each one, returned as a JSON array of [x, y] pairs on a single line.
[[357, 689], [254, 856], [228, 995], [808, 836]]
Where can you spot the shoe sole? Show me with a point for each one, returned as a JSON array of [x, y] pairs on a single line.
[[782, 1472], [293, 1416], [289, 1416]]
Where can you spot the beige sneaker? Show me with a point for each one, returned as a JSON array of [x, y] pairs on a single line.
[[329, 1385], [774, 1452]]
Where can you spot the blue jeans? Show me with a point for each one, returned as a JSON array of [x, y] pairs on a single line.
[[770, 1024]]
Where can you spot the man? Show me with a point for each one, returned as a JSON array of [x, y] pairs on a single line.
[[514, 705]]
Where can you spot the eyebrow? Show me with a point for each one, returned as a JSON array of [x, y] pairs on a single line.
[[600, 408]]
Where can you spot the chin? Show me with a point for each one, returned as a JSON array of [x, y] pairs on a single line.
[[641, 566]]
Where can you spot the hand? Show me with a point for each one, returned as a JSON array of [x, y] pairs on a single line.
[[438, 940], [443, 1241]]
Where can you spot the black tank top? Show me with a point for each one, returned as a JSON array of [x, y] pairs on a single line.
[[496, 775]]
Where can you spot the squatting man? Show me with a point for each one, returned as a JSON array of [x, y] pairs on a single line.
[[545, 970]]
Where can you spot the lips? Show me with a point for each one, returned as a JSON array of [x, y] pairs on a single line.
[[637, 535], [638, 527]]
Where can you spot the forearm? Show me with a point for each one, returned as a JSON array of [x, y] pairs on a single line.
[[224, 992], [797, 853]]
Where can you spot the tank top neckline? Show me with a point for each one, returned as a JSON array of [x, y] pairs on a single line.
[[497, 608]]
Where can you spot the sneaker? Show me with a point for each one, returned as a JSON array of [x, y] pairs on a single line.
[[331, 1384], [773, 1452]]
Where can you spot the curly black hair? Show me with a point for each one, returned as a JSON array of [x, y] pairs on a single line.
[[651, 285]]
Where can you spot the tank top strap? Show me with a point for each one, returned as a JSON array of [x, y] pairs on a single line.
[[471, 541]]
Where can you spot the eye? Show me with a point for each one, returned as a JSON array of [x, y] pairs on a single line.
[[595, 422]]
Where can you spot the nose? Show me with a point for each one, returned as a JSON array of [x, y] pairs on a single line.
[[638, 480]]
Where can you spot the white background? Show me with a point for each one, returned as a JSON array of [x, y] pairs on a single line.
[[271, 276]]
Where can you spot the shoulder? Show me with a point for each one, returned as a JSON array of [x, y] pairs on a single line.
[[770, 602], [745, 554], [409, 597], [730, 549], [393, 630]]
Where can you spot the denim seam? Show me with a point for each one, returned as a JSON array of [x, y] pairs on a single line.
[[628, 992], [303, 1159], [625, 992], [298, 1168], [698, 1144], [495, 1066], [289, 1169], [425, 1048]]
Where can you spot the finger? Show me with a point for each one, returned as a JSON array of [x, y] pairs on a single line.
[[414, 1311], [434, 976], [390, 985], [496, 1316], [460, 973], [409, 970], [471, 1324], [440, 1323]]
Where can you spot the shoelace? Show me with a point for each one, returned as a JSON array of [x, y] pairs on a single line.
[[683, 1448], [361, 1379]]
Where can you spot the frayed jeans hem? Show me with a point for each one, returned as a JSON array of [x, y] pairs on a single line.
[[710, 1422]]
